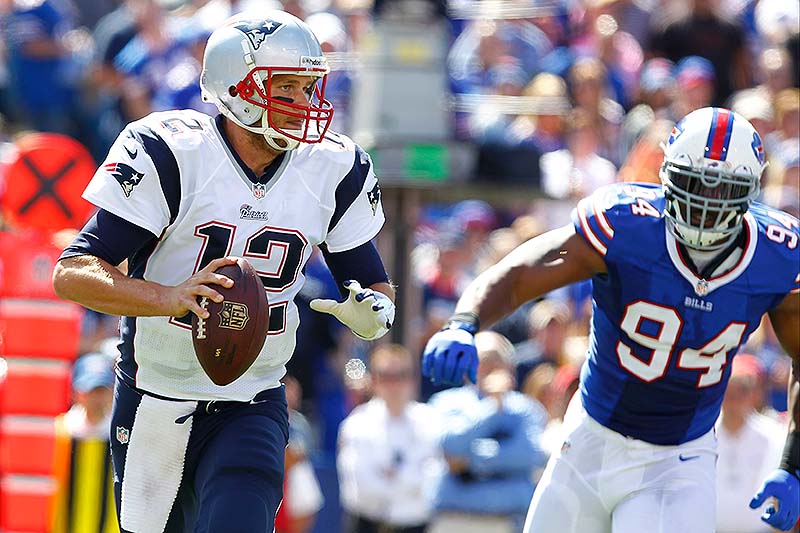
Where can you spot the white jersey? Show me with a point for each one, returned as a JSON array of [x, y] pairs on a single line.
[[174, 174]]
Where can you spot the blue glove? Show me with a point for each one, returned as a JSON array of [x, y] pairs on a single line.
[[450, 354], [785, 488]]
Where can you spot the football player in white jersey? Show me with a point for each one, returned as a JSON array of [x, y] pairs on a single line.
[[179, 194], [681, 276]]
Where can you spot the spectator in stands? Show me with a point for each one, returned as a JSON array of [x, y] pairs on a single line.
[[643, 162], [764, 344], [302, 496], [577, 170], [450, 273], [602, 37], [475, 219], [543, 127], [656, 92], [783, 190], [784, 142], [180, 84], [755, 105], [388, 456], [749, 446], [775, 71], [82, 463], [548, 325], [556, 393], [491, 443], [161, 42], [336, 45], [588, 80], [705, 31], [43, 74], [489, 123], [92, 387], [485, 44], [696, 80]]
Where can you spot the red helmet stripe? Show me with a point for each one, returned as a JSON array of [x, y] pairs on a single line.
[[720, 135]]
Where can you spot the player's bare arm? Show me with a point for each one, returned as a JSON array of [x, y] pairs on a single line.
[[98, 285], [780, 492], [785, 321], [552, 260], [544, 263]]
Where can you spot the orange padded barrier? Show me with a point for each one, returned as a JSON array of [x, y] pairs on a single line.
[[27, 446], [32, 328], [35, 388], [26, 262], [26, 503]]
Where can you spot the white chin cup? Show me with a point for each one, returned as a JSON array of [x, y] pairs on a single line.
[[275, 140]]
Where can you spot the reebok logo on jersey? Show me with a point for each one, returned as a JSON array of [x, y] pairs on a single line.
[[258, 31], [127, 176], [248, 213], [374, 197]]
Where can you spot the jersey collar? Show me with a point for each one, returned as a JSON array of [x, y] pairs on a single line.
[[702, 286], [258, 184]]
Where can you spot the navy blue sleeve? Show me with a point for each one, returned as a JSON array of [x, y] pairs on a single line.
[[351, 185], [362, 263], [109, 237]]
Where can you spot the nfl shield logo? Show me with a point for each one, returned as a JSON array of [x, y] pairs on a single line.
[[701, 289], [259, 190], [122, 435]]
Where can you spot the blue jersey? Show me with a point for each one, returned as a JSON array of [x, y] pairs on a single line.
[[662, 338]]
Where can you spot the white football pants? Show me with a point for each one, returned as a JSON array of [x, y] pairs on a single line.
[[603, 482]]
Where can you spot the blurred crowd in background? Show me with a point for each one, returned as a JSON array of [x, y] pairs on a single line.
[[582, 91]]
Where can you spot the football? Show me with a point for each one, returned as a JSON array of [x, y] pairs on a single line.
[[229, 340]]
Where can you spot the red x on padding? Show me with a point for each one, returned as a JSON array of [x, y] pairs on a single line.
[[44, 182]]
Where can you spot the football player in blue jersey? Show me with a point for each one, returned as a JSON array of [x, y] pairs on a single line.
[[179, 194], [681, 276]]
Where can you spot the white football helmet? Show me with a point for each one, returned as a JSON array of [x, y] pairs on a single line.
[[239, 61], [711, 172]]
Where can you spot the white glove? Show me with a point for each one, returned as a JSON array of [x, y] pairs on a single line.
[[369, 314]]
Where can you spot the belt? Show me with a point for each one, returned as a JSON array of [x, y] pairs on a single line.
[[210, 407]]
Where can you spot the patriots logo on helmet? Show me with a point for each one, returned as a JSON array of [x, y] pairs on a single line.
[[127, 176], [258, 31], [374, 197]]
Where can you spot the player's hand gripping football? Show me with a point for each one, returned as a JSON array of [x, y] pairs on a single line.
[[449, 354], [369, 314], [182, 299], [785, 488]]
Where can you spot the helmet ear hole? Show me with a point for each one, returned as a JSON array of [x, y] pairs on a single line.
[[232, 90]]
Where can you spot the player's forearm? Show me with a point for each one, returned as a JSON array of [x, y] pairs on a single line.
[[533, 269], [98, 285], [794, 396]]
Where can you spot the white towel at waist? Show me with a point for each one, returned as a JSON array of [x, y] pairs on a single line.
[[154, 463]]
